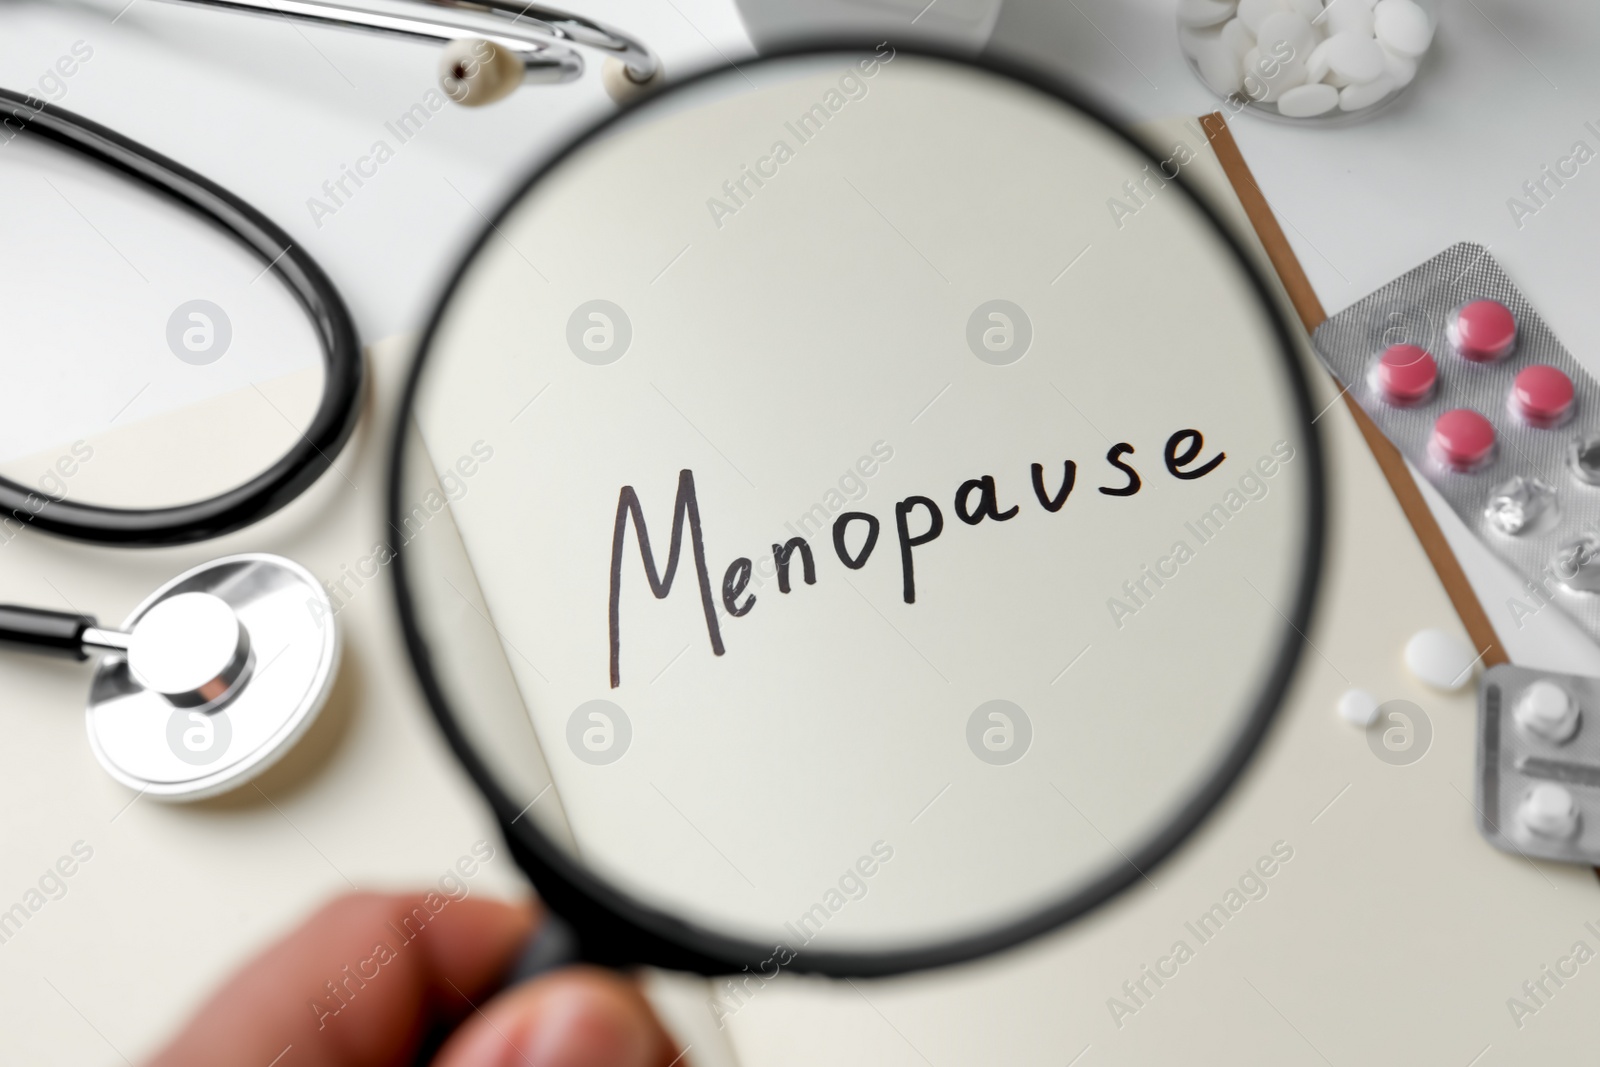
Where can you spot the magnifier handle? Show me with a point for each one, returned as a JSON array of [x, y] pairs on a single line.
[[57, 633]]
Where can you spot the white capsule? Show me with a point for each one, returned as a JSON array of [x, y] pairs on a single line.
[[1357, 706], [1286, 36], [1254, 12], [1357, 97], [1353, 56], [1319, 70], [1348, 16], [1215, 60], [1199, 13], [1403, 26], [1546, 710], [1266, 78], [1306, 101], [1401, 69], [1236, 35], [1436, 658], [1549, 810]]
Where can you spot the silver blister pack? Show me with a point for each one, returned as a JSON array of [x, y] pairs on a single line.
[[1538, 791], [1530, 501]]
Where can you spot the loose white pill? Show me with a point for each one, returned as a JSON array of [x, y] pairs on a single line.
[[1254, 12], [1285, 36], [1199, 13], [1436, 658], [1401, 69], [1304, 101], [1353, 56], [1214, 58], [1549, 810], [1548, 711], [1357, 706], [1236, 35], [1403, 26], [1356, 97], [1348, 16], [1306, 9]]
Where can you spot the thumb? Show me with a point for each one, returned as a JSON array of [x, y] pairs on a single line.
[[579, 1017]]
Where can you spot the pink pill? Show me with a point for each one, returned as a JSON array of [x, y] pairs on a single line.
[[1462, 439], [1483, 331], [1406, 374], [1542, 395]]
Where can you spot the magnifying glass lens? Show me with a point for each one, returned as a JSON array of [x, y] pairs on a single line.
[[835, 513]]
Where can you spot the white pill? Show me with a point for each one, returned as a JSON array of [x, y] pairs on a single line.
[[1266, 78], [1348, 16], [1306, 9], [1547, 711], [1238, 37], [1436, 658], [1403, 26], [1356, 97], [1357, 706], [1401, 69], [1353, 56], [1214, 59], [1254, 12], [1286, 36], [1304, 101], [1317, 62], [1203, 12], [1549, 810]]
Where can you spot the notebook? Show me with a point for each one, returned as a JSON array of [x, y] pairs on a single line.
[[1340, 907]]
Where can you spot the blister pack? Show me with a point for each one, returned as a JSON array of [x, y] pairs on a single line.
[[1460, 372], [1539, 763]]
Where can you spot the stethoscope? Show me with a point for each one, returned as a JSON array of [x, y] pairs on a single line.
[[490, 46], [214, 675]]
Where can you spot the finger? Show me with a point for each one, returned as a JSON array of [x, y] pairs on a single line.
[[579, 1017], [355, 985]]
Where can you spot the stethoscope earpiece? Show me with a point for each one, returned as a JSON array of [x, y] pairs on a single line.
[[623, 85], [490, 46], [474, 72]]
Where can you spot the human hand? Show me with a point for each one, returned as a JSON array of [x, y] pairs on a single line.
[[328, 995]]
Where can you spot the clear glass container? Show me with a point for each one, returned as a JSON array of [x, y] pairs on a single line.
[[1307, 60]]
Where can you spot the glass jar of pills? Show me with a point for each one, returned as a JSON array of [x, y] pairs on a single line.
[[1307, 60]]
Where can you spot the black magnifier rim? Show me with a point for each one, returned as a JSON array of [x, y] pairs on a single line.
[[344, 373], [616, 928]]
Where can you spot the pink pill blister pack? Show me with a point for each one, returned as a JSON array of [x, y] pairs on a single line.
[[1459, 371]]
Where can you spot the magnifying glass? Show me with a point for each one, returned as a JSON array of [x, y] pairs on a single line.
[[832, 537]]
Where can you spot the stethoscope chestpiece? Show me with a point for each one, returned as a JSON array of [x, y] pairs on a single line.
[[213, 677]]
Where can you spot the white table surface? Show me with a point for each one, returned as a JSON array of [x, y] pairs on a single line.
[[271, 111]]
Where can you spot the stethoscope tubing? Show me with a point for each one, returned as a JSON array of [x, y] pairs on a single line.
[[344, 372]]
